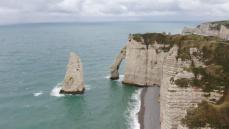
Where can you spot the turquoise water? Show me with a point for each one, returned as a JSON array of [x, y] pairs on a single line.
[[33, 60]]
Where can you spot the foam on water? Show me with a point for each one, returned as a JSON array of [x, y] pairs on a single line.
[[88, 87], [133, 109], [56, 91], [37, 93], [121, 77], [107, 77]]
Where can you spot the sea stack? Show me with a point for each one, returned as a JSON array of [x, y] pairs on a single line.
[[73, 81]]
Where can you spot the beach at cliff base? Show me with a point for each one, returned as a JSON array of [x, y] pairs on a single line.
[[149, 114]]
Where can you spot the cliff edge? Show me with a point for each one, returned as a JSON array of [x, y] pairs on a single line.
[[218, 28]]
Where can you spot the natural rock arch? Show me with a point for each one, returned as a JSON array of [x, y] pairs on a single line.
[[143, 64], [118, 60]]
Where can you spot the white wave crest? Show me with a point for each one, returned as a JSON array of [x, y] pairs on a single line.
[[133, 108], [107, 77], [121, 77], [88, 87], [37, 93], [56, 91]]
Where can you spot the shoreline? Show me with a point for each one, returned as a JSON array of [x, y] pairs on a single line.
[[142, 108], [149, 113]]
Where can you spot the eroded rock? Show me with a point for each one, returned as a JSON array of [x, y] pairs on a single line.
[[73, 81], [115, 66]]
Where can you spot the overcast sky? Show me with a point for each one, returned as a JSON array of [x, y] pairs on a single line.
[[27, 11]]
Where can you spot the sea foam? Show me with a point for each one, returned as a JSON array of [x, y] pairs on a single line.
[[56, 91], [121, 77], [88, 87], [37, 93], [133, 109]]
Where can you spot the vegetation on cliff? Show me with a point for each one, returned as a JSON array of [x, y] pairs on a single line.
[[215, 116], [217, 25], [215, 74], [184, 42], [214, 52]]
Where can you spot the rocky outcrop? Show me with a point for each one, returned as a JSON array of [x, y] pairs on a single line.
[[73, 81], [219, 29]]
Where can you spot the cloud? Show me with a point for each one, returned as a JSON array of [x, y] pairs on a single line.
[[15, 11]]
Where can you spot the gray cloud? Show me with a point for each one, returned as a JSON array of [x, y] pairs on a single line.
[[15, 11]]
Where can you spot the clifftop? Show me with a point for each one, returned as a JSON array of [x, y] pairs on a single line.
[[212, 51], [217, 28], [215, 25], [150, 38]]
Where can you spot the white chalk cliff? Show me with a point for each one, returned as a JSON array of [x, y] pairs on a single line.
[[73, 81], [210, 29], [174, 100], [148, 64], [115, 66], [143, 64]]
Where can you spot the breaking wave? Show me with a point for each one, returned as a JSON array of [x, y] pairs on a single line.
[[56, 91], [134, 106], [121, 77], [37, 93]]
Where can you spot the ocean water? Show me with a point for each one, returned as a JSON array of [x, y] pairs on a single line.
[[33, 59]]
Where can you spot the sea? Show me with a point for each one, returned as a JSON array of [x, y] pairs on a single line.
[[33, 59]]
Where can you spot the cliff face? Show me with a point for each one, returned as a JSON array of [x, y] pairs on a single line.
[[73, 81], [143, 64], [174, 100], [182, 66], [219, 29]]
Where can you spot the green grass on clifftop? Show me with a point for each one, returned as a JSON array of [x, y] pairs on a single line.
[[184, 42], [217, 24]]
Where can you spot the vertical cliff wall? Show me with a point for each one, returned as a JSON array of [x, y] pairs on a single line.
[[143, 63]]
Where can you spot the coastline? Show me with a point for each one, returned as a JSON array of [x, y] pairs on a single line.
[[142, 109], [149, 113]]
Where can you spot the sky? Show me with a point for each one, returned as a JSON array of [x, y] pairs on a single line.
[[36, 11]]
